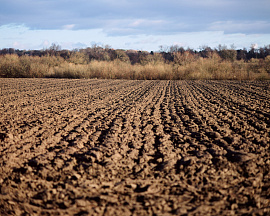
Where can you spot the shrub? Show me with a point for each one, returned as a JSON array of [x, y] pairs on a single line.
[[183, 58], [9, 65], [70, 70], [267, 64], [152, 66]]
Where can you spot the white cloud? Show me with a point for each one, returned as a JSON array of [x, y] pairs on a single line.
[[70, 39], [45, 44], [145, 23], [18, 45], [255, 46], [72, 45], [148, 40], [68, 27]]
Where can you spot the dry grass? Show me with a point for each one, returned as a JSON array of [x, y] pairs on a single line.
[[184, 67]]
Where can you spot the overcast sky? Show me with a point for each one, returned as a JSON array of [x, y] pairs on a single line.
[[130, 24]]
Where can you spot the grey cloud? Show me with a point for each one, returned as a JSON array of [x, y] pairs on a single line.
[[247, 26], [127, 17]]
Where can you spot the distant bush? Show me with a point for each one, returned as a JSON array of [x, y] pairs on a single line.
[[69, 70], [27, 66], [149, 67], [10, 66]]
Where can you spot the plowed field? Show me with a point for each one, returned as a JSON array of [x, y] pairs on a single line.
[[115, 147]]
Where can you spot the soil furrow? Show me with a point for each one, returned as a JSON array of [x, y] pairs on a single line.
[[106, 147]]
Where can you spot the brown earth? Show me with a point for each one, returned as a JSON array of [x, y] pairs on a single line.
[[114, 147]]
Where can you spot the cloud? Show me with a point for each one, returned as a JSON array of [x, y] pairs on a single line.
[[140, 26], [148, 40], [71, 45], [18, 45], [45, 44], [21, 37], [127, 17], [68, 27], [146, 23], [241, 26]]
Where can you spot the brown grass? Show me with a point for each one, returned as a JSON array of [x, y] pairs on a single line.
[[185, 66]]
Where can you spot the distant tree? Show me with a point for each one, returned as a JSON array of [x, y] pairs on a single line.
[[163, 48], [184, 58], [121, 55], [65, 54], [176, 48], [148, 58], [206, 51], [267, 50], [242, 54], [97, 52], [78, 58], [227, 54], [11, 51], [54, 49], [133, 56], [143, 57], [167, 56], [253, 52]]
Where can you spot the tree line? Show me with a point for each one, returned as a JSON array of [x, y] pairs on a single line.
[[166, 54]]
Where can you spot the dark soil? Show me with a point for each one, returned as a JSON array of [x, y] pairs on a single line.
[[115, 147]]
